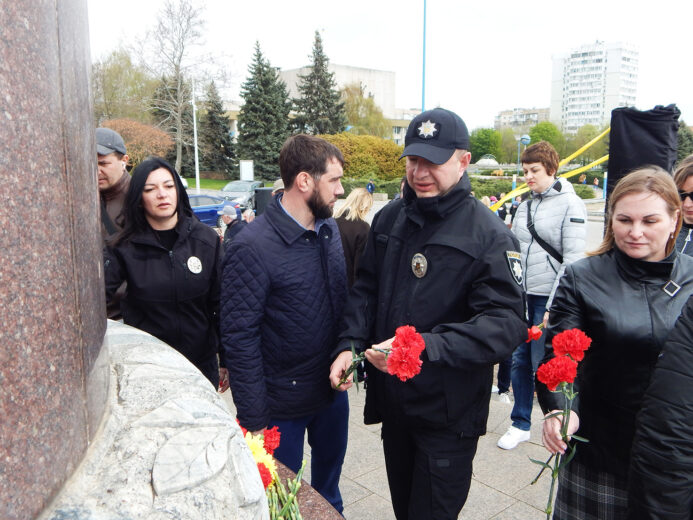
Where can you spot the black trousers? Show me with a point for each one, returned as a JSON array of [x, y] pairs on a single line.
[[429, 471]]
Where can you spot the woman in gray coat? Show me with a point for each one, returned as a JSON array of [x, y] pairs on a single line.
[[550, 226]]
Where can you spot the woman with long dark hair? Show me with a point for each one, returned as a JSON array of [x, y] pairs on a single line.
[[626, 296], [171, 263]]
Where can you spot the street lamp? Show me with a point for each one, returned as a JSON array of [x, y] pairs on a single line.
[[524, 140]]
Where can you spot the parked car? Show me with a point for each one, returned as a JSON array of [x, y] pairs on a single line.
[[241, 193], [208, 208]]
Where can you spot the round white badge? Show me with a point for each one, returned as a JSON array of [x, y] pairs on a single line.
[[194, 265]]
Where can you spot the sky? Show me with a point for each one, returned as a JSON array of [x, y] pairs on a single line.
[[481, 57]]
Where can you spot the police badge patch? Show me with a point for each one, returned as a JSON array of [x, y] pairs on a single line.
[[515, 265]]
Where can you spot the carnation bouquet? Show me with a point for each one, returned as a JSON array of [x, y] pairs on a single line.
[[403, 356], [282, 502], [560, 372]]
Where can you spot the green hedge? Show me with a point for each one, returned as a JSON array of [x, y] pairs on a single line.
[[369, 157], [390, 187]]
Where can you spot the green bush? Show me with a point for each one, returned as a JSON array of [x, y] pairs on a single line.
[[584, 191], [390, 187], [369, 157], [488, 187]]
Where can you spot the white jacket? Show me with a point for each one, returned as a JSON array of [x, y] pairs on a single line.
[[560, 219]]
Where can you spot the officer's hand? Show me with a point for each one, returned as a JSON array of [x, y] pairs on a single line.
[[378, 359], [340, 365], [223, 380]]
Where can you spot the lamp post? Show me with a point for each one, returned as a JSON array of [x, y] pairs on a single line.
[[524, 140]]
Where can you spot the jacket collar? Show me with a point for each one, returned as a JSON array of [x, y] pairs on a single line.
[[118, 189], [285, 226], [148, 237], [559, 186], [418, 209], [643, 270]]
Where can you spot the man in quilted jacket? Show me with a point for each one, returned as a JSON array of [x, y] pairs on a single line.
[[283, 289]]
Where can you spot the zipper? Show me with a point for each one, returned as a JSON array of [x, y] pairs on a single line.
[[685, 242]]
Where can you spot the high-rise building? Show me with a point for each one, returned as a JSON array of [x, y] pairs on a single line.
[[520, 120], [590, 81]]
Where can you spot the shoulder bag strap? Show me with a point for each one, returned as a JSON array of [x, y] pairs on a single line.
[[530, 226]]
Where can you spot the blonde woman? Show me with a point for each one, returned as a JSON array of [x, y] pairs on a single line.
[[351, 220]]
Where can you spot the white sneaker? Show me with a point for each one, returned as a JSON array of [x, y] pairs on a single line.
[[504, 397], [512, 438], [494, 389]]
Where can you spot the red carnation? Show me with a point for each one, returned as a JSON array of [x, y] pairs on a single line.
[[558, 370], [571, 342], [404, 359], [271, 439], [265, 474], [533, 333], [243, 430]]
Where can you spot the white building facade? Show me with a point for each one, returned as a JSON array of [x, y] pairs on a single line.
[[590, 81]]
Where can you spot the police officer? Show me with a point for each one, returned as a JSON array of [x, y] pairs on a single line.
[[436, 259]]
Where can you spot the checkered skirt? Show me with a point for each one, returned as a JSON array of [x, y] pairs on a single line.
[[588, 494]]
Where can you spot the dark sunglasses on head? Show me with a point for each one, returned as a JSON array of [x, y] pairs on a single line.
[[684, 195]]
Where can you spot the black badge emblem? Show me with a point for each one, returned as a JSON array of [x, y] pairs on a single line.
[[419, 265], [515, 265]]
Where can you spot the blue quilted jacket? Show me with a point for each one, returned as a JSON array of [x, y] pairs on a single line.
[[283, 289]]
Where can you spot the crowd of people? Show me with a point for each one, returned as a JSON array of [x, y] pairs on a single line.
[[277, 311]]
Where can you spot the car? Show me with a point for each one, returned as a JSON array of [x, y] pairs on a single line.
[[241, 193], [208, 208]]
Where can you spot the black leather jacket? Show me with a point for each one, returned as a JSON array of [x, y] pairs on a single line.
[[661, 472], [468, 307], [621, 303]]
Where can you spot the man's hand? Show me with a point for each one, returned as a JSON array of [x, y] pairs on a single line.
[[340, 365], [223, 380], [551, 431], [546, 318], [378, 359]]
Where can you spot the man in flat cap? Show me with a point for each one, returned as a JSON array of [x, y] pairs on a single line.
[[439, 260], [114, 179]]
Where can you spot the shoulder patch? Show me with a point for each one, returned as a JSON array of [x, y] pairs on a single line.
[[578, 220], [515, 265]]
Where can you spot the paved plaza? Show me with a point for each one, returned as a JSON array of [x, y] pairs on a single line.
[[500, 489]]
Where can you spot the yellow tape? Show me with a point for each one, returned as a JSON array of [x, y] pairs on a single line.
[[523, 187]]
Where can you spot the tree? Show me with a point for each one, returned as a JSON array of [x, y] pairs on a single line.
[[685, 142], [547, 131], [178, 30], [583, 136], [141, 140], [263, 122], [508, 146], [362, 114], [215, 135], [120, 89], [184, 155], [484, 141], [319, 109]]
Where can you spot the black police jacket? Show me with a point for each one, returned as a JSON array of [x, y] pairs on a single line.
[[173, 295], [449, 267], [621, 303], [660, 484]]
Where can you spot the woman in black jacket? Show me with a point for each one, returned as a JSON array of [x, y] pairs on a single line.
[[171, 263], [353, 228], [661, 472], [683, 177], [626, 296]]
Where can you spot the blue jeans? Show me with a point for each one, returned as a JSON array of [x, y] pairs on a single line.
[[526, 359], [327, 437]]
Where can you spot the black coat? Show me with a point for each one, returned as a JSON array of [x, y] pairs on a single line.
[[468, 306], [620, 303], [165, 296], [661, 470], [354, 235]]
